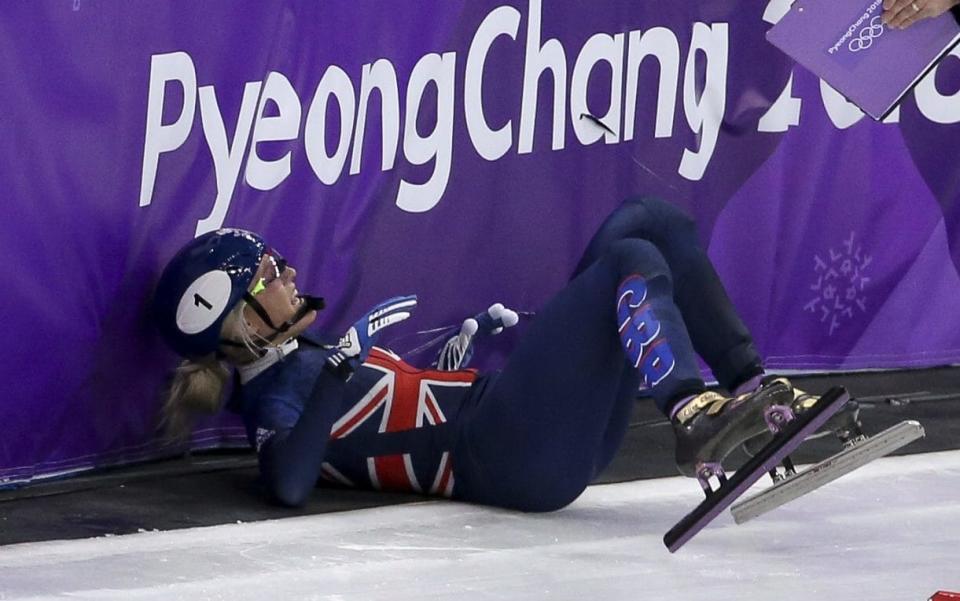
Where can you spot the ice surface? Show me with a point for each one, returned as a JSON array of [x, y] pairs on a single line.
[[888, 531]]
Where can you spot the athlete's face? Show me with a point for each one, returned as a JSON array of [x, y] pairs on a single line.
[[274, 287]]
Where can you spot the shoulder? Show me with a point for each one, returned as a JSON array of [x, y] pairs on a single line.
[[277, 396]]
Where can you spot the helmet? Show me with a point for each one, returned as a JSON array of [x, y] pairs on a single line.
[[201, 284]]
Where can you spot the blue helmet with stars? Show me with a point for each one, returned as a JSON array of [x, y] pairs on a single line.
[[201, 284]]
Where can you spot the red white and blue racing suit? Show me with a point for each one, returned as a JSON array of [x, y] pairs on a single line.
[[534, 434]]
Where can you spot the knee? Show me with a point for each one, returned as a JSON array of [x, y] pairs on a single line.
[[640, 257], [666, 216]]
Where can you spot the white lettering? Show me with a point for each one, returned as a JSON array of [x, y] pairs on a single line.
[[227, 157], [893, 117], [160, 138], [784, 113], [271, 110], [550, 56], [660, 43], [776, 10], [490, 144], [599, 48], [842, 113], [935, 106], [438, 145], [335, 82], [383, 77], [706, 115], [267, 175]]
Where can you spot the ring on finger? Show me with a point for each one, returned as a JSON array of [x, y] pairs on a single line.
[[916, 8]]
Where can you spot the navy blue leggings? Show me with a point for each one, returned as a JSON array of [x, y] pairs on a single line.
[[717, 333], [541, 429]]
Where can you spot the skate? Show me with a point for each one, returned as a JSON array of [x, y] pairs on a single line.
[[845, 424], [857, 449], [711, 425], [789, 433]]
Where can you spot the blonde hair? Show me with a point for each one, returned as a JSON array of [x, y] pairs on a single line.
[[196, 389], [197, 385]]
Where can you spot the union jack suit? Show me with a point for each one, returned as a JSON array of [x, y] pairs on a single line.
[[534, 434], [401, 398], [391, 429]]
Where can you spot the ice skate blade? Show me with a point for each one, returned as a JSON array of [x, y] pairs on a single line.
[[827, 470], [757, 467]]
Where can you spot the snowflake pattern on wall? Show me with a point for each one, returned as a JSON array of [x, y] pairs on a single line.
[[841, 282]]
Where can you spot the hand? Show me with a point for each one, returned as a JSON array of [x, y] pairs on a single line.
[[900, 14], [458, 351], [492, 321], [355, 345]]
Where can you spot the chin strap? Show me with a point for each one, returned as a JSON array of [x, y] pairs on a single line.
[[310, 303]]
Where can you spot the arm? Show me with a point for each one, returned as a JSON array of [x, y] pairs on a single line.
[[458, 351], [290, 460]]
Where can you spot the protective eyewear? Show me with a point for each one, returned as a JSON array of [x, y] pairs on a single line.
[[278, 264]]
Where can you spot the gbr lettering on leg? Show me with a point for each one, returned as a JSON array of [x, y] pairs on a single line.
[[641, 333]]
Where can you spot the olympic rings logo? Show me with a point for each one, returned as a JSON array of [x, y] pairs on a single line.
[[867, 35]]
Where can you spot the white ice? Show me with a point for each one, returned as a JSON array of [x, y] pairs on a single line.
[[889, 531]]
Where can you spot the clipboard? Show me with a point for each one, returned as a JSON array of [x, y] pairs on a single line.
[[846, 44]]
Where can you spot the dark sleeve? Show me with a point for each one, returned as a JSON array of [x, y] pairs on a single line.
[[956, 12], [290, 459]]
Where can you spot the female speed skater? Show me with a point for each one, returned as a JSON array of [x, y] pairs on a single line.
[[643, 301]]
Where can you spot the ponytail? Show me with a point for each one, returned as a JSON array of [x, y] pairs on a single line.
[[197, 385], [196, 389]]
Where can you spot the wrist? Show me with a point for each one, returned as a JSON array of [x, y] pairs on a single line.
[[341, 365]]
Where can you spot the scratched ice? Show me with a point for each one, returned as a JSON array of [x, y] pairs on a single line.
[[887, 532]]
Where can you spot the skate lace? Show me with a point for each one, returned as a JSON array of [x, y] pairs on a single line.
[[712, 402], [802, 400]]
